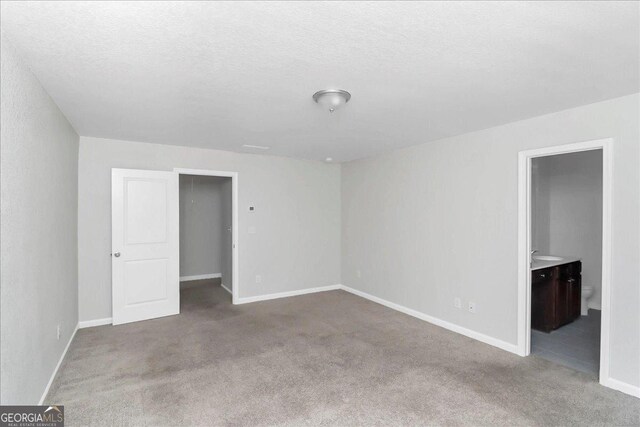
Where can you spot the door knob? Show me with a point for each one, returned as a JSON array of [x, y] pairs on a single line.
[[117, 254]]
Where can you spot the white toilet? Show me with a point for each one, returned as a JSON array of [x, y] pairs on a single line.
[[587, 292]]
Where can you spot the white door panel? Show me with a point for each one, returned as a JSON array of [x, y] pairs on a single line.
[[145, 261], [144, 197]]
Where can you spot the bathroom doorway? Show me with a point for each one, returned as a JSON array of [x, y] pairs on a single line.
[[566, 259], [564, 247]]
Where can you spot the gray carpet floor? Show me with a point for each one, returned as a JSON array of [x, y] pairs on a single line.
[[330, 358], [576, 345]]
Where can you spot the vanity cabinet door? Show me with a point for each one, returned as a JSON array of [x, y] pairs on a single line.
[[562, 303], [575, 291], [569, 291], [543, 300], [574, 283]]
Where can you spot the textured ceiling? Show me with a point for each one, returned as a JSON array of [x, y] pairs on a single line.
[[221, 75]]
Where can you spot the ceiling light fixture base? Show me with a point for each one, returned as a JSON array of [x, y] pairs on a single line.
[[331, 98]]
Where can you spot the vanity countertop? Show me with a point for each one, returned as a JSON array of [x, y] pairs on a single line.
[[538, 264]]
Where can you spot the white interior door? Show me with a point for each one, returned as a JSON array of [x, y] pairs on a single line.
[[145, 244]]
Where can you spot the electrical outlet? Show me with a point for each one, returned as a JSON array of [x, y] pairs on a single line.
[[358, 274], [457, 303], [58, 331], [258, 279], [472, 307]]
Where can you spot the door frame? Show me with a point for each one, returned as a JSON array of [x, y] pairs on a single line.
[[235, 294], [524, 243]]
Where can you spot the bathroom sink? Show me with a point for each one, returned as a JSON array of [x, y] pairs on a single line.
[[547, 258]]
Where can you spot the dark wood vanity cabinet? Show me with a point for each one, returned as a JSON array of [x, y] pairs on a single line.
[[555, 296]]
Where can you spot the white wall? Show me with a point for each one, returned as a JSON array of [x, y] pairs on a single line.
[[39, 205], [428, 223], [297, 218], [201, 225], [568, 220]]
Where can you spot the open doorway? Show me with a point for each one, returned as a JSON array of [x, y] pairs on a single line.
[[205, 239], [208, 229], [566, 259], [564, 255]]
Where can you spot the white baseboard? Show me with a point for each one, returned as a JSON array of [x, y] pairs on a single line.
[[620, 386], [95, 322], [55, 371], [225, 288], [200, 277], [247, 300], [512, 348]]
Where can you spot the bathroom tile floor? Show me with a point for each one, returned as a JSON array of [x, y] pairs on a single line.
[[576, 345]]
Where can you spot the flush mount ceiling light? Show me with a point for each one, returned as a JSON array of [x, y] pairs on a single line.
[[332, 99]]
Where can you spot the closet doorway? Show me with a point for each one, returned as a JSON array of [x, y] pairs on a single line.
[[208, 235]]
